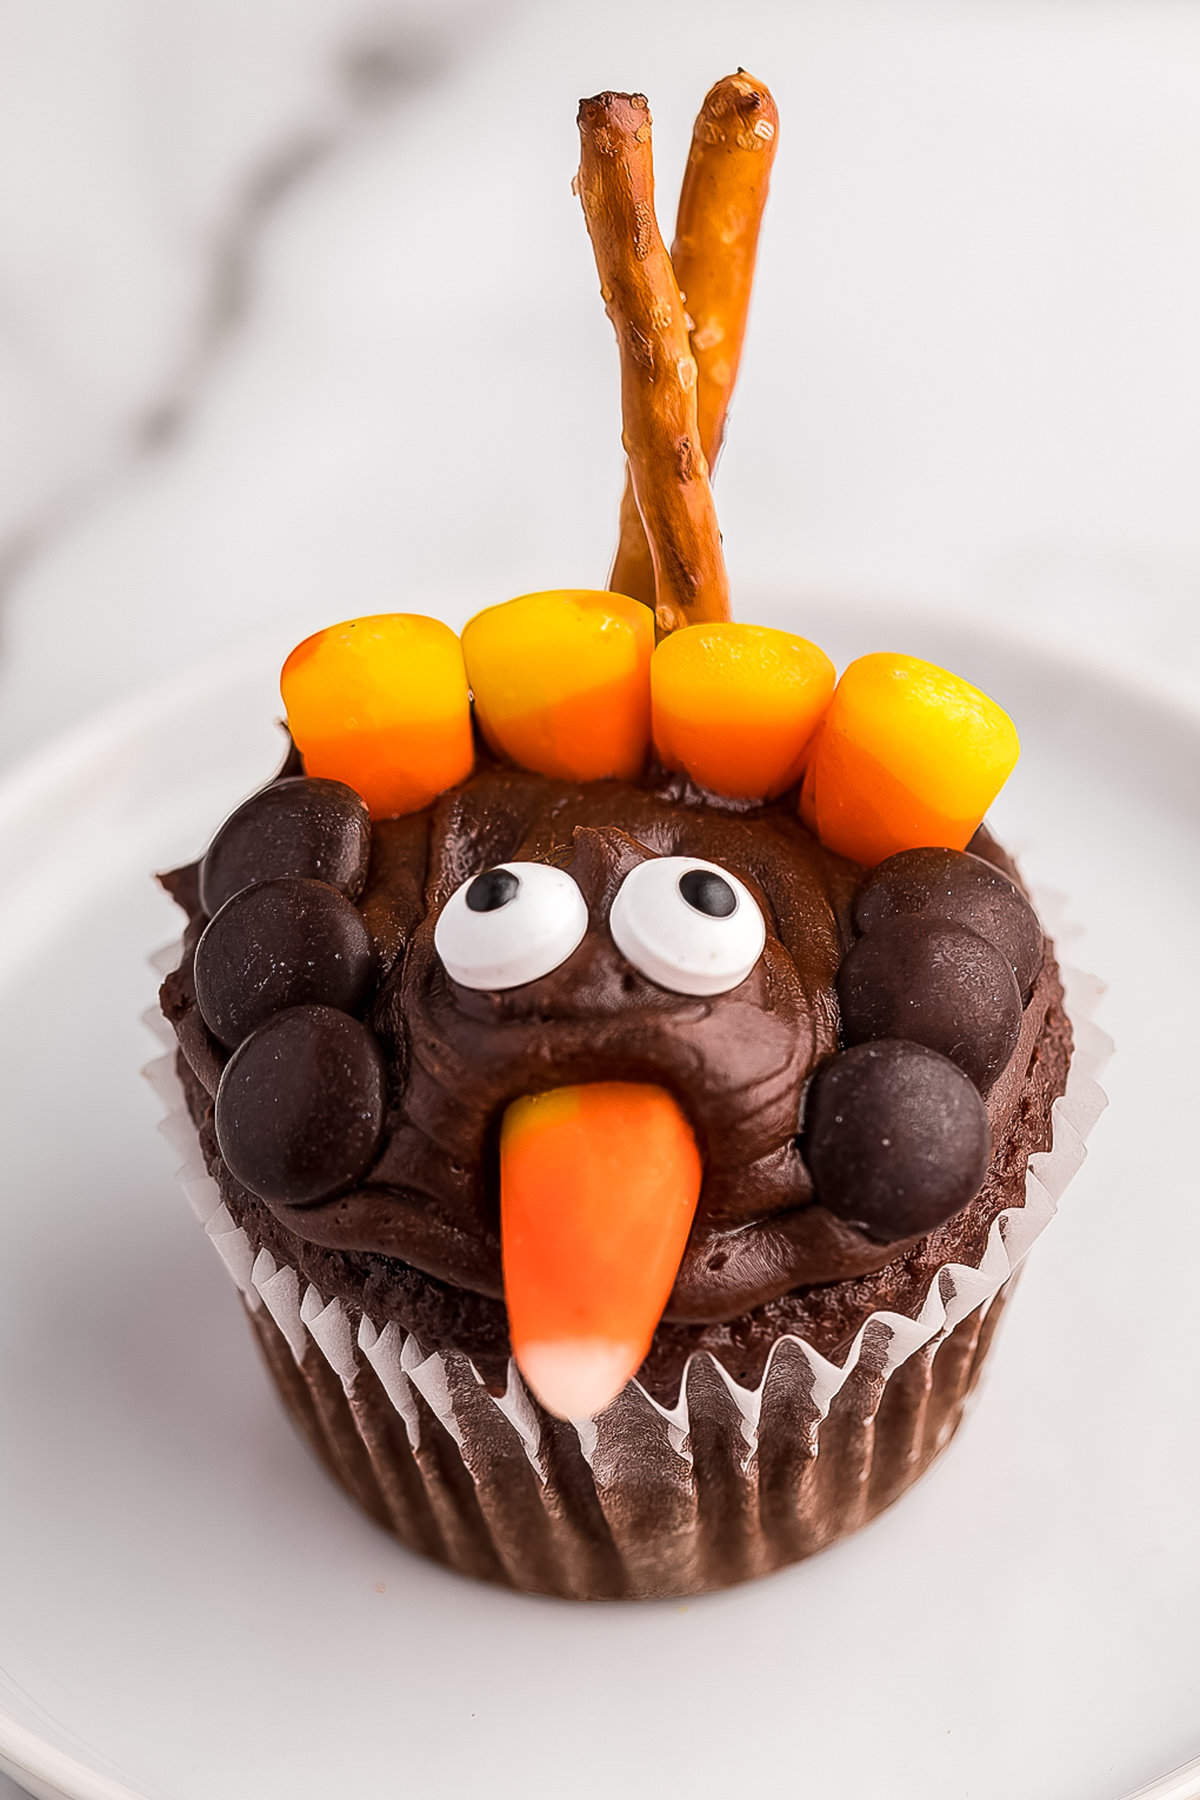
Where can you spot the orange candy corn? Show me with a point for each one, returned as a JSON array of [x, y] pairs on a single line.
[[735, 706], [598, 1189], [908, 754], [382, 704], [562, 682]]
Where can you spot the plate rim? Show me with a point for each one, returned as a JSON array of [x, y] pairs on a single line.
[[25, 1754]]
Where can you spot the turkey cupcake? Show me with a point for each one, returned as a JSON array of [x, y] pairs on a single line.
[[625, 1074]]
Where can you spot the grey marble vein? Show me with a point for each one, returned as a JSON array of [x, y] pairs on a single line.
[[369, 77]]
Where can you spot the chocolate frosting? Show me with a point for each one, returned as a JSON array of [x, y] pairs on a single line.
[[738, 1063]]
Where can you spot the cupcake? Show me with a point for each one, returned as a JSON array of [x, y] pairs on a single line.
[[614, 1045]]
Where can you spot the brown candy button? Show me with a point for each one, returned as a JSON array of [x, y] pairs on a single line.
[[935, 984], [300, 1108], [962, 889], [283, 943], [303, 825], [896, 1139]]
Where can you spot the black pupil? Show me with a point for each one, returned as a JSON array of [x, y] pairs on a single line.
[[492, 890], [706, 892]]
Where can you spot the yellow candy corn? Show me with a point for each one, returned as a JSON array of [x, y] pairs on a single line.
[[562, 682], [382, 704], [908, 754], [735, 706]]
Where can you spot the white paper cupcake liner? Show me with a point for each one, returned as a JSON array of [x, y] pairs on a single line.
[[647, 1499]]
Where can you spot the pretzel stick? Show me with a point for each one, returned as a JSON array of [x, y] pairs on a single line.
[[716, 241], [658, 371], [632, 569]]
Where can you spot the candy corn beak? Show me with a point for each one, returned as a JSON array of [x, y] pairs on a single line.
[[598, 1190]]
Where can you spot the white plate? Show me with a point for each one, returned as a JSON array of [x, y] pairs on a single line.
[[190, 1609]]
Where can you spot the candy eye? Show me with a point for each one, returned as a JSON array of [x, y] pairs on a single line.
[[687, 925], [510, 925]]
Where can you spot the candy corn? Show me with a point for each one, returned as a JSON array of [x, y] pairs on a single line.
[[382, 704], [598, 1189], [735, 706], [908, 754], [562, 683]]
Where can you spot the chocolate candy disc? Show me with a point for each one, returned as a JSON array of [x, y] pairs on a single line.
[[301, 826], [282, 943], [300, 1107], [896, 1139], [934, 984], [964, 889]]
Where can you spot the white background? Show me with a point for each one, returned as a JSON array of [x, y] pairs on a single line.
[[298, 319]]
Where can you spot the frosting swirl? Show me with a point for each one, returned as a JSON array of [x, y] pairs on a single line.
[[738, 1063]]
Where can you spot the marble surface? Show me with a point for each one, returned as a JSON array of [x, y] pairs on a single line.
[[298, 319]]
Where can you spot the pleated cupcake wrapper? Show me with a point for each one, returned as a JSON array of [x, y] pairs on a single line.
[[647, 1499]]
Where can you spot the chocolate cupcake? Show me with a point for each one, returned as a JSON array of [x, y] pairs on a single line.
[[616, 1049]]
